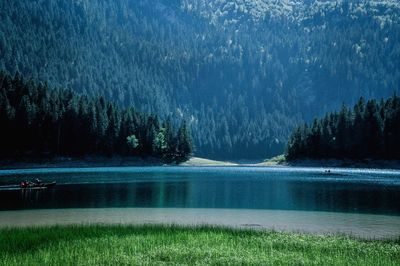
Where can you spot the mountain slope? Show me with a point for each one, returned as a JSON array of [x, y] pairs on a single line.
[[235, 11], [242, 72]]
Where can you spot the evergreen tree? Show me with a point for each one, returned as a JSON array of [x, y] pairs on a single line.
[[371, 130], [132, 141], [184, 143], [315, 140], [342, 138], [160, 143], [392, 128], [357, 135], [243, 82], [36, 120], [293, 147]]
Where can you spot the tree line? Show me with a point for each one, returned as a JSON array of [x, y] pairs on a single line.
[[370, 130], [241, 87], [38, 120]]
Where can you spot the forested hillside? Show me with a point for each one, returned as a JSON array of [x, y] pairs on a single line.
[[38, 121], [369, 130], [242, 73]]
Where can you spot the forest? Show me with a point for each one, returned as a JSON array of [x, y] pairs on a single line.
[[241, 81], [369, 130], [37, 120]]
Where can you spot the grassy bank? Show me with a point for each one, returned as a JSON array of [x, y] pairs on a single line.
[[155, 245], [274, 161]]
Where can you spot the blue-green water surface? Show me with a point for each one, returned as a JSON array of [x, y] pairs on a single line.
[[306, 189]]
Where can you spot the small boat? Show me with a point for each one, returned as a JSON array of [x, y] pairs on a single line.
[[331, 173], [35, 185]]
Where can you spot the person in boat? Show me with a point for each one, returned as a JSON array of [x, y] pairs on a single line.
[[24, 184], [35, 183], [38, 182]]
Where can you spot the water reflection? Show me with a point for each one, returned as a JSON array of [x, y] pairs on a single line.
[[210, 188]]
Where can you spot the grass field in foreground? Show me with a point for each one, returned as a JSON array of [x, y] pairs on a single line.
[[160, 245]]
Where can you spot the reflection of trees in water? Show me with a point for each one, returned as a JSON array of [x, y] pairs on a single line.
[[158, 194], [339, 197], [211, 190], [176, 194], [36, 198], [241, 193]]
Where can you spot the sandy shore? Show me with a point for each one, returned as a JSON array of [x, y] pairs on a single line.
[[357, 225], [196, 161]]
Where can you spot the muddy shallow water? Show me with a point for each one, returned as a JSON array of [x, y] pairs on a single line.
[[358, 225]]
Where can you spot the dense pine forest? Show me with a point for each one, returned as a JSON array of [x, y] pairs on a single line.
[[36, 120], [370, 130], [242, 73]]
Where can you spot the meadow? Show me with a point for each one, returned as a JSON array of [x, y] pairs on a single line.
[[172, 245]]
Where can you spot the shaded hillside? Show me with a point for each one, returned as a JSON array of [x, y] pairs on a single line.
[[243, 73], [369, 130], [36, 120]]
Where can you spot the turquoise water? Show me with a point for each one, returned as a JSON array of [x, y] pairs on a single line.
[[257, 188]]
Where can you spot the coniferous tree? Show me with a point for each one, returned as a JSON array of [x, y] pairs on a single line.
[[369, 131], [38, 121], [294, 148], [184, 143], [342, 141], [243, 85], [391, 128], [373, 130], [357, 135]]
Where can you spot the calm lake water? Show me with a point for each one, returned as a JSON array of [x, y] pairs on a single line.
[[362, 203], [297, 189]]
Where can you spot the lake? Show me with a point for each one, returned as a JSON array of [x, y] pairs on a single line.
[[252, 196]]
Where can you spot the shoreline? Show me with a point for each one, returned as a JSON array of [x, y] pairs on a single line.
[[279, 162], [102, 161], [79, 162], [334, 163], [118, 161], [362, 226]]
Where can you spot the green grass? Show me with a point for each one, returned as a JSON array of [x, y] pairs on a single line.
[[277, 160], [163, 245]]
